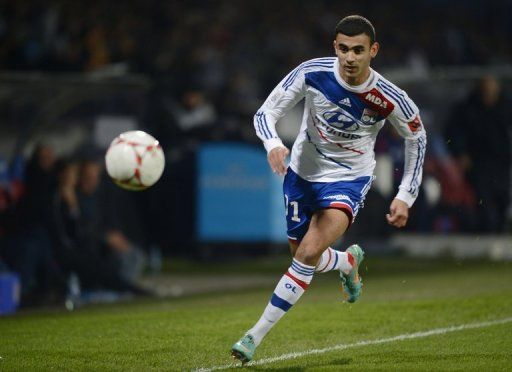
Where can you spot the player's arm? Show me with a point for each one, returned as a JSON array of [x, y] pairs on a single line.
[[284, 96], [407, 121]]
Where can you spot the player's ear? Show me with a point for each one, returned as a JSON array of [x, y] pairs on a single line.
[[334, 46], [374, 49]]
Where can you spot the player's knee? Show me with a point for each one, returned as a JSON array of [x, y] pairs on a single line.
[[309, 254]]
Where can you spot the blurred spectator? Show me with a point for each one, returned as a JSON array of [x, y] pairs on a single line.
[[90, 203], [478, 132], [39, 186], [28, 248], [455, 210], [111, 223], [6, 207], [75, 250], [7, 199], [195, 117]]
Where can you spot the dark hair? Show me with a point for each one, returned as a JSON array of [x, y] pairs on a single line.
[[355, 25]]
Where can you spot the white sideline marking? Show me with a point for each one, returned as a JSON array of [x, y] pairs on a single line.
[[406, 336]]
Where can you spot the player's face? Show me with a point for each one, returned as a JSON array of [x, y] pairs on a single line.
[[354, 54]]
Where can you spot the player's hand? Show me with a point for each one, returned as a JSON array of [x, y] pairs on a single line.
[[398, 213], [277, 160]]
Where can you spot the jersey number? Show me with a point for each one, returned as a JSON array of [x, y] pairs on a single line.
[[295, 206]]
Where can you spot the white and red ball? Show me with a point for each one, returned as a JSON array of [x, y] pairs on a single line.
[[135, 160]]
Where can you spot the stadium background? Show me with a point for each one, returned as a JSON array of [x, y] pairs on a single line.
[[193, 73]]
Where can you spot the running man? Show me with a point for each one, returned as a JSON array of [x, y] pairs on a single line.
[[332, 163]]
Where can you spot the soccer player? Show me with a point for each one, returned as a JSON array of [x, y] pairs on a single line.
[[332, 162]]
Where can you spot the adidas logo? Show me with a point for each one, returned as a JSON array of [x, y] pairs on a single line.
[[346, 102]]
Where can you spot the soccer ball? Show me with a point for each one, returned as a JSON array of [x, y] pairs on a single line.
[[135, 160]]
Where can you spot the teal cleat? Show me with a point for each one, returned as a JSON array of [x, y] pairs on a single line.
[[243, 350], [351, 282]]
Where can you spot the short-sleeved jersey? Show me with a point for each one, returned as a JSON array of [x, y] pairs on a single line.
[[340, 124]]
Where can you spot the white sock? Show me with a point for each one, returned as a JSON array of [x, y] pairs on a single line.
[[334, 260], [289, 289]]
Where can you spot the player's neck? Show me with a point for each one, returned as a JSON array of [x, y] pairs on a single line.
[[355, 80]]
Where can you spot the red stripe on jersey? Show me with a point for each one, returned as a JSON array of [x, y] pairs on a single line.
[[377, 102], [301, 283], [336, 143]]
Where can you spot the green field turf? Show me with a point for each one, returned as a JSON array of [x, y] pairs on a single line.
[[400, 297]]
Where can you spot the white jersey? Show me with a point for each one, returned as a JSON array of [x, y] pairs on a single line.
[[340, 124]]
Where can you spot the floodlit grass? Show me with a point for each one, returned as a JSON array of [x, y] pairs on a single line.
[[400, 297]]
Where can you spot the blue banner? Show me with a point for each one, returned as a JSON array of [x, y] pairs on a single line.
[[238, 198]]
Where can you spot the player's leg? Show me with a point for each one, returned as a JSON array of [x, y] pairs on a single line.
[[296, 279], [289, 289], [348, 197], [293, 247], [333, 259], [347, 263], [325, 227], [330, 260]]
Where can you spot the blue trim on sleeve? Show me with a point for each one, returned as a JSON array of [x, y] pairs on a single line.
[[328, 62], [419, 164], [263, 127], [404, 106]]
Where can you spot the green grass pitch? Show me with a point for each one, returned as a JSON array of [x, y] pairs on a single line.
[[400, 297]]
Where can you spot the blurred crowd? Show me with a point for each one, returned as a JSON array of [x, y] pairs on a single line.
[[65, 230], [236, 52]]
